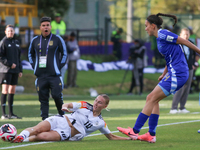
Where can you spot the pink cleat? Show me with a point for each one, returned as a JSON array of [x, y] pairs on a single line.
[[147, 137], [18, 139], [128, 132]]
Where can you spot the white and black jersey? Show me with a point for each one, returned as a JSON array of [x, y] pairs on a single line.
[[83, 120]]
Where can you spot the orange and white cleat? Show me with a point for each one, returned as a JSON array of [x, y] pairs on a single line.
[[18, 139], [129, 132], [147, 137]]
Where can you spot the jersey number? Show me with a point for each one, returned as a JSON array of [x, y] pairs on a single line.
[[63, 135], [88, 125]]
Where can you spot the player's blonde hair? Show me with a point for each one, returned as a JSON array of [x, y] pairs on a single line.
[[107, 99]]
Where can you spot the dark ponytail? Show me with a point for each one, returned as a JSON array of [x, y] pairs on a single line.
[[168, 15], [158, 21]]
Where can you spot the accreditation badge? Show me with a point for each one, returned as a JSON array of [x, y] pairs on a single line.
[[43, 62]]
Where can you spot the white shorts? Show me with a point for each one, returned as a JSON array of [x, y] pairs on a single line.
[[60, 125]]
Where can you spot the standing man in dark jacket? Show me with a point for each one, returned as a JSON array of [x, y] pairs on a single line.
[[47, 54], [182, 94], [10, 70]]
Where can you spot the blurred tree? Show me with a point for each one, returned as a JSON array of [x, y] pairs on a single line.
[[118, 11], [50, 7], [175, 6]]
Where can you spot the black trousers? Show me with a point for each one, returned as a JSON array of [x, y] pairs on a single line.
[[138, 77], [43, 86]]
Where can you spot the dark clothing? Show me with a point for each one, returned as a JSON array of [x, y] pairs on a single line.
[[2, 31], [9, 78], [137, 57], [117, 46], [72, 73], [10, 53], [191, 59], [140, 79], [56, 57], [48, 74], [43, 87]]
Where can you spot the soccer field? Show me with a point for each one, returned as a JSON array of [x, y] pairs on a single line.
[[177, 131]]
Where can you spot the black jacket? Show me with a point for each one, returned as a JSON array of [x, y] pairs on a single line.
[[191, 59], [10, 53], [56, 56]]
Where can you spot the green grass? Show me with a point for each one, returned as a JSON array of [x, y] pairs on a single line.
[[104, 82], [123, 112]]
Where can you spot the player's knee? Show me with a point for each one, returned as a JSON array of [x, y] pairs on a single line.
[[35, 131], [149, 97], [152, 98]]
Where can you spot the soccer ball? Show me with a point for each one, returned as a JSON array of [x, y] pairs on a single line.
[[8, 132]]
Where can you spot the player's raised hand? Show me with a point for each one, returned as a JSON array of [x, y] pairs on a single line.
[[66, 109]]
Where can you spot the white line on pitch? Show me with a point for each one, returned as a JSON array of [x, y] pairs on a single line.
[[168, 124]]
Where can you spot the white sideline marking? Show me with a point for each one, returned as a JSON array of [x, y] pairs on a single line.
[[168, 124]]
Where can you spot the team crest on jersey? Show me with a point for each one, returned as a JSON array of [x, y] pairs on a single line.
[[170, 38], [50, 43]]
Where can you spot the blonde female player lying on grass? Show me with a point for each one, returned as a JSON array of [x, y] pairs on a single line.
[[85, 119]]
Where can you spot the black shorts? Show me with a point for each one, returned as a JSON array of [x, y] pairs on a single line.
[[9, 78]]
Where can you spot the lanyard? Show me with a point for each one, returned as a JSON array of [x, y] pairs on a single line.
[[47, 45]]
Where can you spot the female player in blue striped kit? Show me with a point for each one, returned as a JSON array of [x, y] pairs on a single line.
[[173, 78]]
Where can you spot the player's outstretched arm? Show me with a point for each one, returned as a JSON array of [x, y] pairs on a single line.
[[188, 44], [66, 107], [111, 136]]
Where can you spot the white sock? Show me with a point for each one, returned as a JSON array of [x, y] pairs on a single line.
[[25, 134], [26, 140]]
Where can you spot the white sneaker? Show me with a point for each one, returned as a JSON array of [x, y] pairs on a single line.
[[183, 111], [173, 111], [4, 117]]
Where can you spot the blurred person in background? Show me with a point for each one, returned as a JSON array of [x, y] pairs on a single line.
[[10, 70], [117, 43], [138, 59], [2, 29], [58, 25], [182, 94], [74, 55], [64, 68]]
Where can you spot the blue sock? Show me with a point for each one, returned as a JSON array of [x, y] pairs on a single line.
[[153, 122], [142, 118]]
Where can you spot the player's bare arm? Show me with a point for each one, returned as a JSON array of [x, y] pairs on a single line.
[[66, 107], [111, 136], [188, 44]]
